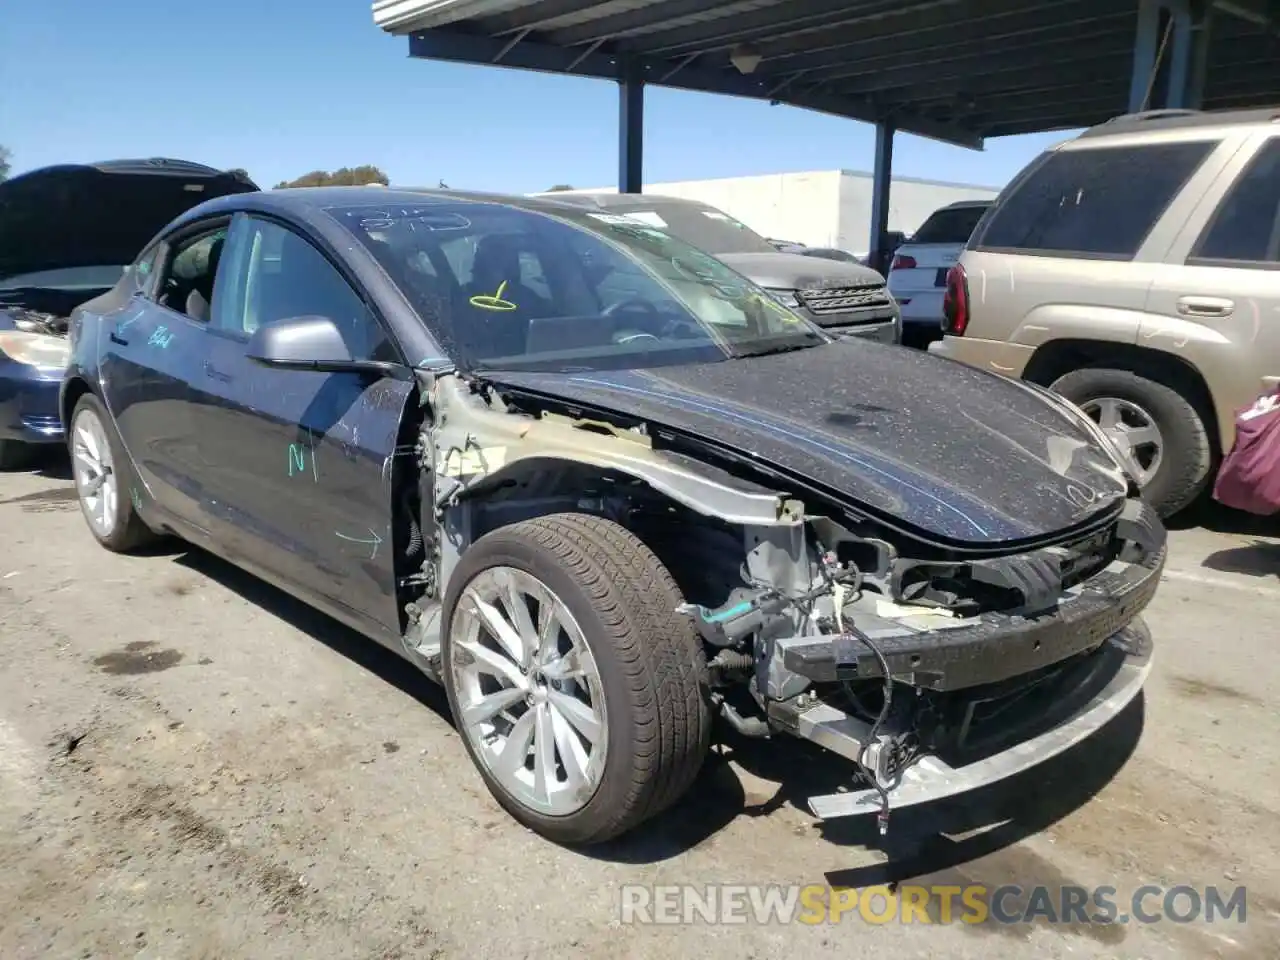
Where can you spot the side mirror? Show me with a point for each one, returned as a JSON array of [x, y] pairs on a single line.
[[310, 343]]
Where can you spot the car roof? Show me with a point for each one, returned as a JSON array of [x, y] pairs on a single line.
[[962, 204], [306, 202], [1173, 122], [627, 199]]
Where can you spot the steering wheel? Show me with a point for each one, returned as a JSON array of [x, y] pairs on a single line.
[[630, 302], [629, 335]]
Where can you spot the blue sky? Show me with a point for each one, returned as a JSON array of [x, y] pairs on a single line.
[[281, 88]]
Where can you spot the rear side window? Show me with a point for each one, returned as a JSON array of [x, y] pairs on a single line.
[[949, 225], [1098, 203], [1245, 228]]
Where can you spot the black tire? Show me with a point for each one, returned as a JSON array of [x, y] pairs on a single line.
[[652, 667], [14, 454], [1188, 454], [130, 531]]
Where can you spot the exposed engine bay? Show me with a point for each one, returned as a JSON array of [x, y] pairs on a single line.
[[35, 321], [922, 665]]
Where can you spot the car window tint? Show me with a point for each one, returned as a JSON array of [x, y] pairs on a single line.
[[512, 288], [1097, 202], [1245, 227], [949, 225], [188, 283], [276, 274], [142, 270]]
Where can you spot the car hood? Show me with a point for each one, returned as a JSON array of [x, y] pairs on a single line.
[[969, 459], [81, 215], [794, 271]]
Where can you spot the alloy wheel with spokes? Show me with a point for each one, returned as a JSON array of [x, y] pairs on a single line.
[[93, 467], [105, 483], [581, 695], [529, 692], [1132, 429]]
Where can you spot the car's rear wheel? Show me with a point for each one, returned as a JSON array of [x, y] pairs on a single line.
[[104, 481], [580, 693], [1161, 429]]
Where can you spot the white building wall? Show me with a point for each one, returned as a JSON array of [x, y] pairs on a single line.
[[824, 208], [910, 203]]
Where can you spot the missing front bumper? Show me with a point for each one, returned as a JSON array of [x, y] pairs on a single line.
[[1102, 685], [998, 646]]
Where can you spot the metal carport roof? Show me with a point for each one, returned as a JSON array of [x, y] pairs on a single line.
[[955, 70]]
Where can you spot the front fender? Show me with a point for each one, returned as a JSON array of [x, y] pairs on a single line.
[[477, 448]]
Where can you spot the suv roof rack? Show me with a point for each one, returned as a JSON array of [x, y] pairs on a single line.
[[1176, 119], [1153, 115]]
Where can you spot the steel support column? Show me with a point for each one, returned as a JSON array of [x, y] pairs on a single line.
[[1202, 33], [630, 126], [881, 180], [1166, 52], [1178, 86], [1145, 44]]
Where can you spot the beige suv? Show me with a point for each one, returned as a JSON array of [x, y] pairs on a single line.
[[1136, 271]]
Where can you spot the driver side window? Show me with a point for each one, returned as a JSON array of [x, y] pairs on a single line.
[[188, 281], [275, 274]]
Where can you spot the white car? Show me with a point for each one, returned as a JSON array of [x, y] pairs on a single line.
[[918, 275]]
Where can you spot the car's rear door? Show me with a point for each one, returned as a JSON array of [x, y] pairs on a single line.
[[298, 463], [152, 349], [1216, 301]]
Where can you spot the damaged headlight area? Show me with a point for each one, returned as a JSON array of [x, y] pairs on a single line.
[[39, 350], [935, 674]]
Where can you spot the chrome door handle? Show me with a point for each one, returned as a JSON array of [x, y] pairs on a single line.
[[1205, 306]]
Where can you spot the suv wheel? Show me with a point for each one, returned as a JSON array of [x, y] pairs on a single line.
[[579, 692], [1161, 429]]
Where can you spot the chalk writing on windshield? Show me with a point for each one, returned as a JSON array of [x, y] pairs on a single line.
[[493, 301], [160, 338]]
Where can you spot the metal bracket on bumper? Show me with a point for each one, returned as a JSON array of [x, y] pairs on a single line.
[[997, 646], [932, 778]]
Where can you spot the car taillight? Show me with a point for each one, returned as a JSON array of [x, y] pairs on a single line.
[[955, 302], [903, 262]]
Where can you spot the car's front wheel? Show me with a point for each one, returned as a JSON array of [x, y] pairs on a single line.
[[580, 693], [1161, 429], [104, 481]]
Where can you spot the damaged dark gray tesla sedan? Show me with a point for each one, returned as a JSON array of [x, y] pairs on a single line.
[[609, 493]]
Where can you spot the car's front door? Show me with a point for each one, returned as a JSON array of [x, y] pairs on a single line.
[[298, 467], [153, 348], [1218, 302]]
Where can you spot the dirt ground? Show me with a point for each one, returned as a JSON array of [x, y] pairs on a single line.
[[193, 765]]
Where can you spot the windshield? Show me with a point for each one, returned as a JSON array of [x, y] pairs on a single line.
[[504, 288], [704, 227], [950, 225], [67, 278]]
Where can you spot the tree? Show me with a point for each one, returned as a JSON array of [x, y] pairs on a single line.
[[560, 188], [4, 162], [240, 172], [342, 177]]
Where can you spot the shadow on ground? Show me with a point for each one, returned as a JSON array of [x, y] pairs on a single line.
[[715, 800], [1210, 515], [379, 661], [921, 841], [1258, 559]]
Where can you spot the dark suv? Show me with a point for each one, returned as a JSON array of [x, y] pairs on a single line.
[[841, 297]]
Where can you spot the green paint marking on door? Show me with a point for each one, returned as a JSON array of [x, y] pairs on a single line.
[[298, 461]]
